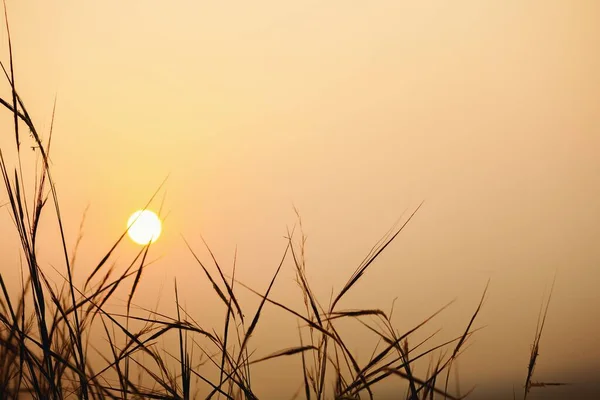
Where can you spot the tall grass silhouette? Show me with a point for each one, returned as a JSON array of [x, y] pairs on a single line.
[[48, 334]]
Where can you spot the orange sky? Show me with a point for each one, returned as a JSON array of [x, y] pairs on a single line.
[[352, 112]]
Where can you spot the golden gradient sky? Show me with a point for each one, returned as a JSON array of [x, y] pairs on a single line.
[[352, 111]]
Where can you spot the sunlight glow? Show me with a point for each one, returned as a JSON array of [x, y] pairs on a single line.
[[144, 227]]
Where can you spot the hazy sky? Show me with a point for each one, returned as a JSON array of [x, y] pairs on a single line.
[[353, 111]]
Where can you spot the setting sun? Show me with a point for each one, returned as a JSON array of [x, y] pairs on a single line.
[[144, 227]]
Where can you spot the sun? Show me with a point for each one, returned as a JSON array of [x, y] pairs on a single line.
[[144, 227]]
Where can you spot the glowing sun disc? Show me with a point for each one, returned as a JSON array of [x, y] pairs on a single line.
[[144, 227]]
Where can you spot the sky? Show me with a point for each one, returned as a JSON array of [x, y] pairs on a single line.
[[353, 113]]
